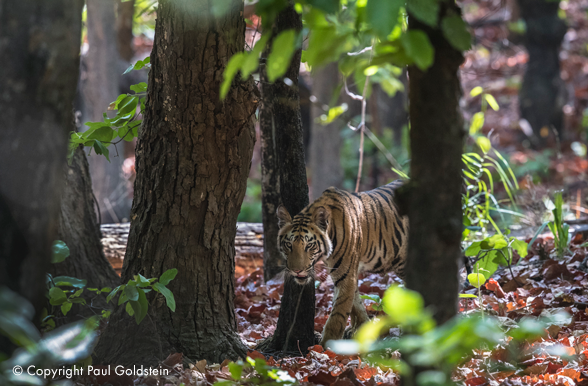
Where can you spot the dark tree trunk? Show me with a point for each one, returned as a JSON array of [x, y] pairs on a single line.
[[99, 89], [79, 229], [193, 158], [280, 121], [434, 199], [40, 59], [541, 96], [325, 146], [124, 29]]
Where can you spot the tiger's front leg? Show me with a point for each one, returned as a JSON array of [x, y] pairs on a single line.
[[342, 304]]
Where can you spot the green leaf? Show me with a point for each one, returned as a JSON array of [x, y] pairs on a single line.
[[140, 307], [57, 296], [232, 67], [418, 48], [382, 15], [520, 246], [484, 144], [492, 102], [168, 276], [477, 122], [402, 305], [476, 279], [128, 105], [279, 59], [426, 11], [60, 251], [139, 87], [473, 249], [467, 296], [456, 32], [476, 91], [103, 134], [333, 113], [99, 148], [169, 296], [69, 281], [327, 6], [65, 307], [131, 292], [112, 293], [122, 298], [236, 369], [141, 281], [129, 309], [251, 61], [496, 241]]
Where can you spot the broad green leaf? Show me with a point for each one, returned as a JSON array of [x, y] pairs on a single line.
[[60, 251], [141, 281], [496, 241], [169, 296], [333, 113], [476, 279], [520, 246], [232, 67], [122, 298], [128, 105], [131, 292], [418, 48], [130, 310], [236, 369], [382, 15], [402, 305], [369, 332], [168, 276], [112, 293], [65, 307], [426, 11], [279, 59], [477, 122], [139, 87], [140, 307], [473, 249], [103, 134], [484, 144], [251, 61], [57, 296], [456, 32], [476, 91], [70, 281], [487, 264], [492, 102], [467, 296], [327, 6], [99, 148]]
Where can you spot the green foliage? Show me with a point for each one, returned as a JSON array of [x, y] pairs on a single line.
[[560, 230], [438, 348], [255, 372], [124, 126], [378, 306], [64, 346], [60, 252], [494, 251], [133, 293]]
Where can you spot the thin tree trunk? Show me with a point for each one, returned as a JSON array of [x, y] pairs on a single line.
[[193, 158], [39, 67], [325, 145], [79, 229], [280, 120], [124, 29], [99, 90], [541, 94], [434, 192]]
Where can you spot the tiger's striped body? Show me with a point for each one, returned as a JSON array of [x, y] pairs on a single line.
[[351, 232]]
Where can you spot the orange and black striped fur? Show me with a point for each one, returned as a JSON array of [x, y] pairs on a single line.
[[351, 232]]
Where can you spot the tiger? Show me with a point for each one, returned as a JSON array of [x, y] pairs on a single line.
[[351, 233]]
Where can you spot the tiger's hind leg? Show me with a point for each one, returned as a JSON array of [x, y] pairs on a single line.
[[358, 316]]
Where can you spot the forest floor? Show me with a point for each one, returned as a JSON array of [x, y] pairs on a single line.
[[543, 285]]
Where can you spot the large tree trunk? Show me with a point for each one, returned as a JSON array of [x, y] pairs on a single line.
[[434, 199], [541, 96], [193, 158], [99, 89], [40, 59], [325, 145], [280, 121], [79, 229]]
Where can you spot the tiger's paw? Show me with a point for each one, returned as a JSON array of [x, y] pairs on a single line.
[[349, 332]]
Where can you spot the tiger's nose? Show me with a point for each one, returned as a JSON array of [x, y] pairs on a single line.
[[296, 270]]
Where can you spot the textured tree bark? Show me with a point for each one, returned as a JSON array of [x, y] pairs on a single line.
[[99, 89], [193, 158], [280, 124], [433, 201], [40, 59], [325, 145], [542, 92], [79, 229]]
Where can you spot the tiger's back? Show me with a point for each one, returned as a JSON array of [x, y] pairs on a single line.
[[351, 232]]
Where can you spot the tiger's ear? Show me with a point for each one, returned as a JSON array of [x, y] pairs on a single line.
[[321, 218], [283, 216]]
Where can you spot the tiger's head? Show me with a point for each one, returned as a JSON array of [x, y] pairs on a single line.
[[303, 241]]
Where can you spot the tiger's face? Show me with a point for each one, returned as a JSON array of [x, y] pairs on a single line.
[[303, 241]]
